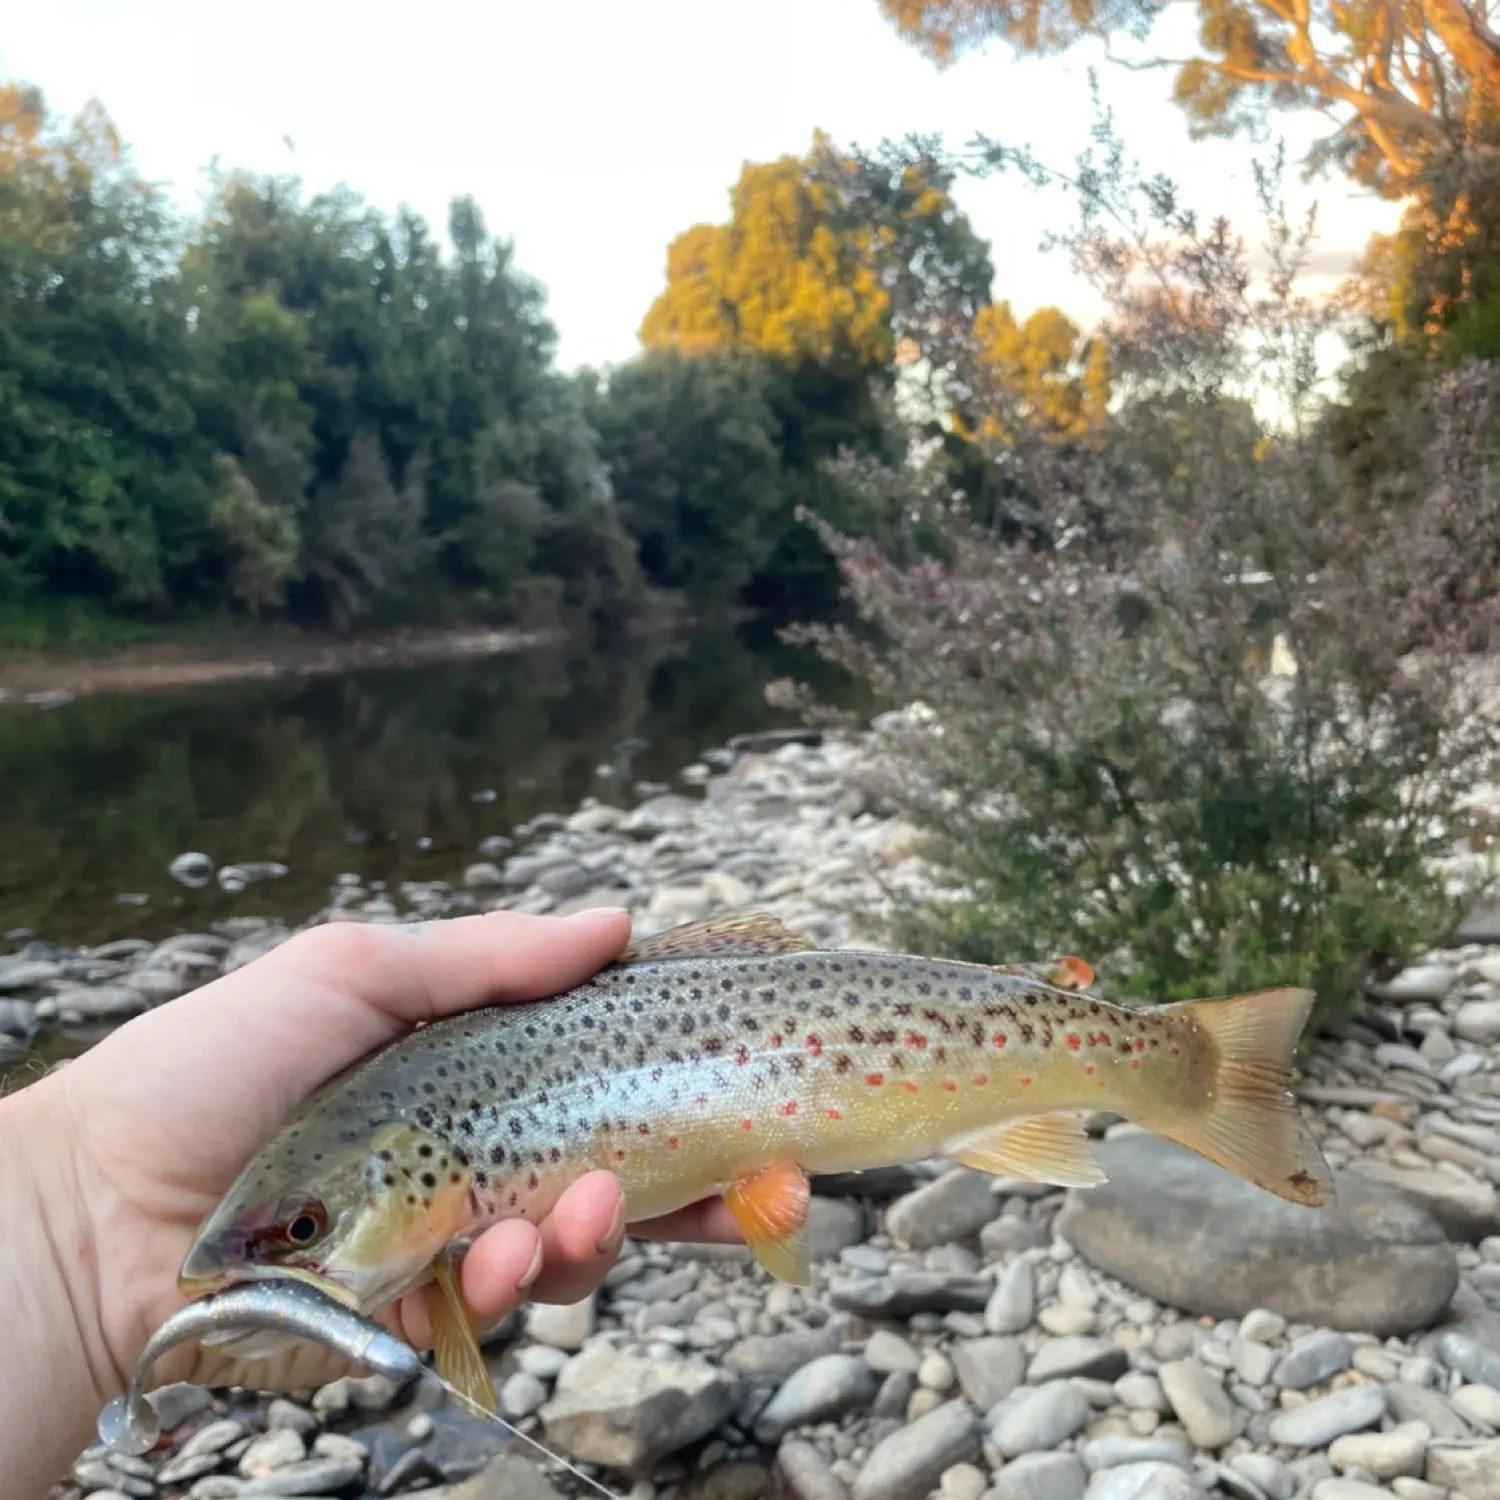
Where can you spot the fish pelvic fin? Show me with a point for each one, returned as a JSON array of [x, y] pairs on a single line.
[[770, 1209], [455, 1345], [1050, 1148], [1250, 1124], [751, 932]]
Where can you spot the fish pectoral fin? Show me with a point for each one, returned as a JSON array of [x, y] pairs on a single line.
[[455, 1345], [1050, 1148], [752, 931], [770, 1208]]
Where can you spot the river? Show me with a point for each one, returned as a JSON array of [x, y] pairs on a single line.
[[392, 774]]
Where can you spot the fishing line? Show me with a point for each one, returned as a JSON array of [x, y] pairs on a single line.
[[464, 1404]]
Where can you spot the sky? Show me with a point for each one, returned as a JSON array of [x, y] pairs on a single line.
[[592, 133]]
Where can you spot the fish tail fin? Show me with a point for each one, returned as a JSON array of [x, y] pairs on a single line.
[[1250, 1124]]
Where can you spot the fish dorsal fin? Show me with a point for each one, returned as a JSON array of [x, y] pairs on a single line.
[[751, 933], [455, 1346], [1050, 1148]]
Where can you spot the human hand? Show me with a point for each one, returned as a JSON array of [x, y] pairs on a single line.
[[139, 1138]]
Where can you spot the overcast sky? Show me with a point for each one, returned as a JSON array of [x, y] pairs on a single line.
[[591, 133]]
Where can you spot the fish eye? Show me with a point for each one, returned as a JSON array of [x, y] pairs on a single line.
[[306, 1224]]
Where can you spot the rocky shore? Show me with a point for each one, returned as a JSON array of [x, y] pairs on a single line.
[[1170, 1335]]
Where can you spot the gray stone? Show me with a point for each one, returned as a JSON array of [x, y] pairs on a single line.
[[28, 974], [989, 1369], [1041, 1476], [955, 1207], [808, 1473], [899, 1296], [1093, 1359], [1268, 1474], [1480, 925], [629, 1412], [313, 1476], [775, 1356], [1110, 1452], [272, 1450], [1195, 1237], [1409, 1402], [1420, 982], [1314, 1360], [177, 1402], [17, 1019], [522, 1394], [824, 1390], [910, 1462], [1467, 1210], [1200, 1402], [1253, 1362], [1470, 1470], [1037, 1417], [504, 1477], [1013, 1305], [1348, 1489], [1470, 1358], [1478, 1021], [1150, 1481], [833, 1224], [1319, 1422], [887, 1352]]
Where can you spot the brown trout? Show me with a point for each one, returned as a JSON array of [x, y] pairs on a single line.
[[730, 1057]]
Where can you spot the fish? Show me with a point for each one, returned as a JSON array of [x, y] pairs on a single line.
[[128, 1423], [731, 1057]]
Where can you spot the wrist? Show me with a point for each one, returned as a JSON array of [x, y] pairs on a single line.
[[57, 1371]]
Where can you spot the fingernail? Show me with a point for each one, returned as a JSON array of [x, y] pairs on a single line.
[[532, 1271], [616, 1231], [599, 911]]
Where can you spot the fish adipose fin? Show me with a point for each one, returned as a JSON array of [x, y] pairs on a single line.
[[1050, 1148], [770, 1208], [752, 932], [1250, 1124], [455, 1346]]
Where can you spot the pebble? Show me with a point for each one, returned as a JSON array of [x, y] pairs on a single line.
[[808, 1472], [1148, 1481], [1480, 1403], [989, 1369], [1313, 1360], [562, 1325], [1038, 1417], [1040, 1476], [1471, 1471], [911, 1461], [824, 1390], [1199, 1401], [959, 1204], [1013, 1305], [1057, 1358], [521, 1394], [1320, 1422], [1400, 1450], [887, 1352], [273, 1450], [1266, 1472]]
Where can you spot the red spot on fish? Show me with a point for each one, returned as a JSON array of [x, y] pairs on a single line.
[[1175, 1051], [999, 1040], [1135, 1062], [789, 1108], [746, 1124], [916, 1040], [834, 1114], [1024, 1082], [1073, 1041], [1088, 1070], [874, 1079], [1140, 1044], [908, 1085], [815, 1046], [775, 1038], [1099, 1039], [671, 1143], [741, 1055], [980, 1080], [949, 1087], [619, 1156]]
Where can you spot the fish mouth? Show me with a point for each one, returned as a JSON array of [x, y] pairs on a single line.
[[195, 1283]]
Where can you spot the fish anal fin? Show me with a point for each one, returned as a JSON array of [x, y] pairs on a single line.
[[1050, 1148], [749, 932], [1249, 1123], [455, 1345], [770, 1209]]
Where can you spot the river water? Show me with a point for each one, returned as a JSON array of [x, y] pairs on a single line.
[[392, 774]]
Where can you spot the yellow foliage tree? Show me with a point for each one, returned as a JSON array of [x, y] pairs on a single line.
[[1054, 380]]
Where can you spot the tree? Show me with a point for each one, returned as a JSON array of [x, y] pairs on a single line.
[[1412, 90]]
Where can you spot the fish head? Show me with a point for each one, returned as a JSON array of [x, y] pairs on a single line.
[[362, 1220]]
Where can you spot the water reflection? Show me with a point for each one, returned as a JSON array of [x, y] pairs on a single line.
[[345, 773]]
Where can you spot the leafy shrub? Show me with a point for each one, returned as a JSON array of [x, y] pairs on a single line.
[[1213, 716]]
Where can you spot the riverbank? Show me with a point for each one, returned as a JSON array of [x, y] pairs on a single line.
[[49, 677], [1169, 1336]]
